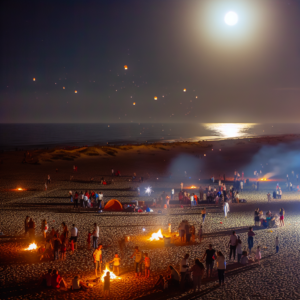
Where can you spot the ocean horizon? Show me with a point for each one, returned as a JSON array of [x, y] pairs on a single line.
[[39, 136]]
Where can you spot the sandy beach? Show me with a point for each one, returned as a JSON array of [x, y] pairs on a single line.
[[162, 167]]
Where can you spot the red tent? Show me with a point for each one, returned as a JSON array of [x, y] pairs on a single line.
[[113, 205]]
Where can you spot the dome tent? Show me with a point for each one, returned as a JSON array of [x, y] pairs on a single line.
[[113, 205]]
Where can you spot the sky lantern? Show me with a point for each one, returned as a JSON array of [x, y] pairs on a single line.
[[75, 92], [33, 79], [125, 67], [64, 88], [196, 97], [184, 90], [155, 98], [133, 103]]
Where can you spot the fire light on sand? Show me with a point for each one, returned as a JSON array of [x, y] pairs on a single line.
[[32, 246], [19, 189], [156, 236], [193, 187], [263, 179]]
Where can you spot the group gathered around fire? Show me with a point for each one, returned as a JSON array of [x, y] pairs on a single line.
[[60, 242]]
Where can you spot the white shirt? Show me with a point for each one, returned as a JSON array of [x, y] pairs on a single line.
[[74, 231], [172, 191], [85, 198], [81, 196], [233, 239], [182, 263], [96, 234], [100, 196]]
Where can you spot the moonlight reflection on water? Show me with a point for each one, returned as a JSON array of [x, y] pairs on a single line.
[[230, 130]]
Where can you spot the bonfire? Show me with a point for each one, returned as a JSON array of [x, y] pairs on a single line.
[[156, 236], [32, 246], [112, 275]]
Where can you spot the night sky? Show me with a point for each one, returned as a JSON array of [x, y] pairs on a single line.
[[246, 73]]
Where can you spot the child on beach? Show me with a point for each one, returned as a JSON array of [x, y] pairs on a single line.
[[203, 213], [116, 264], [89, 240], [277, 244], [147, 265], [258, 255], [63, 251], [106, 286]]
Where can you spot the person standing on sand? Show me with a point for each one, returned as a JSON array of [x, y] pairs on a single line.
[[251, 234], [281, 214], [138, 261], [31, 229], [232, 243], [112, 172], [226, 208], [95, 235], [26, 227], [210, 256], [48, 179], [181, 185], [101, 201], [280, 193], [269, 197], [221, 266], [97, 256]]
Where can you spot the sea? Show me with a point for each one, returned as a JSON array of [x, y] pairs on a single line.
[[41, 136]]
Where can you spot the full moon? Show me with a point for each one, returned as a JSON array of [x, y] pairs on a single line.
[[231, 18]]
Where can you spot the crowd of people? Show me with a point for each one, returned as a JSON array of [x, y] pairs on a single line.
[[88, 199]]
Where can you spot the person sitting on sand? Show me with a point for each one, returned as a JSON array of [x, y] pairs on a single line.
[[173, 277], [78, 284], [244, 258], [57, 281], [159, 285], [46, 279]]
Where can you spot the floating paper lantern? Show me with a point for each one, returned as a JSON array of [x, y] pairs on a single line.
[[196, 97], [133, 103], [33, 79], [155, 98], [184, 90], [125, 67], [75, 92], [64, 88]]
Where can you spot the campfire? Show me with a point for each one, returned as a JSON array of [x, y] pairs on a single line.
[[193, 187], [32, 246], [263, 179], [156, 236], [19, 189], [112, 275]]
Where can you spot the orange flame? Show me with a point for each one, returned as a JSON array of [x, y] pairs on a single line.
[[156, 236], [32, 246]]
